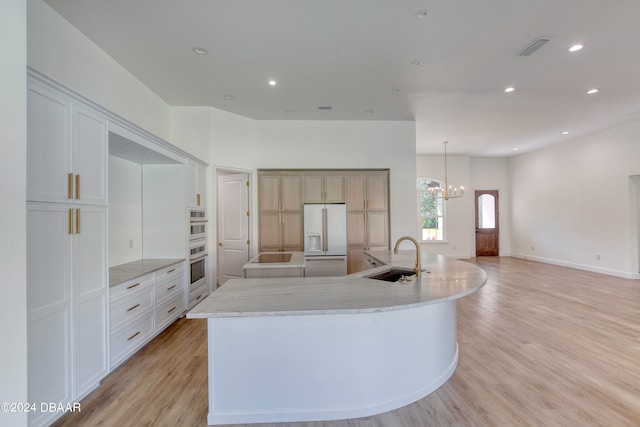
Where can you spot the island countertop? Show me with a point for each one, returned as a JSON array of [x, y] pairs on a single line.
[[444, 279]]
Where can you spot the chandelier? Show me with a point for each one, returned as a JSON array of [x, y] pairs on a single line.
[[448, 192]]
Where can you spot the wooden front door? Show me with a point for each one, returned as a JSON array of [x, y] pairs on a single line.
[[487, 228]]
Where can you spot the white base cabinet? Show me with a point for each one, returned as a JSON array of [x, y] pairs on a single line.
[[66, 300], [141, 308]]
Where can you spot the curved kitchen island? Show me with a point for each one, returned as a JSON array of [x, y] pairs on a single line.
[[303, 349]]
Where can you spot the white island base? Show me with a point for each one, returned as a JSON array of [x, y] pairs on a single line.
[[327, 366]]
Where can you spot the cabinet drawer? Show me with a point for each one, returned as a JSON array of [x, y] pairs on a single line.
[[129, 306], [169, 286], [130, 338], [198, 295], [169, 311], [130, 287], [170, 271]]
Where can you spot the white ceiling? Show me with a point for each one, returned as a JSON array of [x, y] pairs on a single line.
[[352, 54]]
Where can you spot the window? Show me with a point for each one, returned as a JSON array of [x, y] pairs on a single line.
[[431, 209]]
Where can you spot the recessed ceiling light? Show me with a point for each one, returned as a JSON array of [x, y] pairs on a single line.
[[416, 64], [509, 89], [368, 111], [229, 97], [566, 132], [325, 107], [592, 91], [422, 13], [290, 111], [516, 149], [575, 48], [200, 50], [272, 82], [395, 90]]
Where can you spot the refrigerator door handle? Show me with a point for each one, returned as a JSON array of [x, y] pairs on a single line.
[[325, 238]]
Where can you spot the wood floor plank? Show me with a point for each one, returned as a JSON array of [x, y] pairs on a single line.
[[540, 345]]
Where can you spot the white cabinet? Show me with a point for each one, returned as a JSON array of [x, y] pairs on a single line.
[[66, 300], [141, 308], [66, 248], [66, 150], [196, 185]]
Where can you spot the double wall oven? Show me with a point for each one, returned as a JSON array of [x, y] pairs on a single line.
[[197, 252]]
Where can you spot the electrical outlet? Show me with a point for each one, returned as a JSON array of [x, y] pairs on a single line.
[[598, 257], [532, 248], [130, 243]]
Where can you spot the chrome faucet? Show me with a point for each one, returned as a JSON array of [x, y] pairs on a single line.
[[417, 269]]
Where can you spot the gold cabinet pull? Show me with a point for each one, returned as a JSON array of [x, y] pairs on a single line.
[[133, 286], [70, 220], [77, 221], [78, 187], [133, 336], [198, 297], [171, 287], [70, 186], [198, 199], [173, 308], [171, 271], [133, 308]]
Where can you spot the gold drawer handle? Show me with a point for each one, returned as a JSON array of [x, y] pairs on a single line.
[[134, 307], [171, 271], [171, 310], [133, 336], [198, 297], [133, 286], [171, 287]]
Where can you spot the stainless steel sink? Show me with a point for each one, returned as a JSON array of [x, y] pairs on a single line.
[[392, 275]]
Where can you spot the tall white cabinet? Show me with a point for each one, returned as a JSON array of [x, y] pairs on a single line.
[[66, 249]]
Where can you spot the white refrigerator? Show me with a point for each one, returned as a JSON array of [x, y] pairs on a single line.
[[325, 239]]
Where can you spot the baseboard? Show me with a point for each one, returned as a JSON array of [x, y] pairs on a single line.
[[578, 266]]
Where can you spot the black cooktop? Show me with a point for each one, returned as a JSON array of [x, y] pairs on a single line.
[[269, 258]]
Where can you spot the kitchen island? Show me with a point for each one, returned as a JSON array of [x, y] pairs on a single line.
[[302, 349]]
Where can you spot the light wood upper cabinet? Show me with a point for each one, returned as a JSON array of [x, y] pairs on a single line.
[[282, 194], [280, 209], [367, 197], [323, 189], [67, 150]]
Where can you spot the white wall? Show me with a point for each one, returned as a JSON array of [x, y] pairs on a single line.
[[125, 211], [13, 282], [459, 214], [58, 50], [572, 202], [306, 144], [493, 174], [190, 130]]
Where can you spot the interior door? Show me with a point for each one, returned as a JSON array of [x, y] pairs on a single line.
[[233, 226], [487, 224]]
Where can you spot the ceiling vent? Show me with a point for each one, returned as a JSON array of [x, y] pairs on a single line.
[[325, 107], [533, 46]]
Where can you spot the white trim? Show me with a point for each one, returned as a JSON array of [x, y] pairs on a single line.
[[578, 266]]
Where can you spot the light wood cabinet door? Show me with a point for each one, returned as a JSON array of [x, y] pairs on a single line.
[[355, 192], [377, 192], [377, 228], [313, 189], [334, 189], [270, 231], [269, 193], [323, 189], [356, 229], [292, 231], [291, 193]]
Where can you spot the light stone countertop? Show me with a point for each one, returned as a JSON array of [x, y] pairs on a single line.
[[296, 261], [132, 270], [446, 279]]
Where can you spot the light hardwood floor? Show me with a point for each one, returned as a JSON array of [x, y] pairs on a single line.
[[540, 345]]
